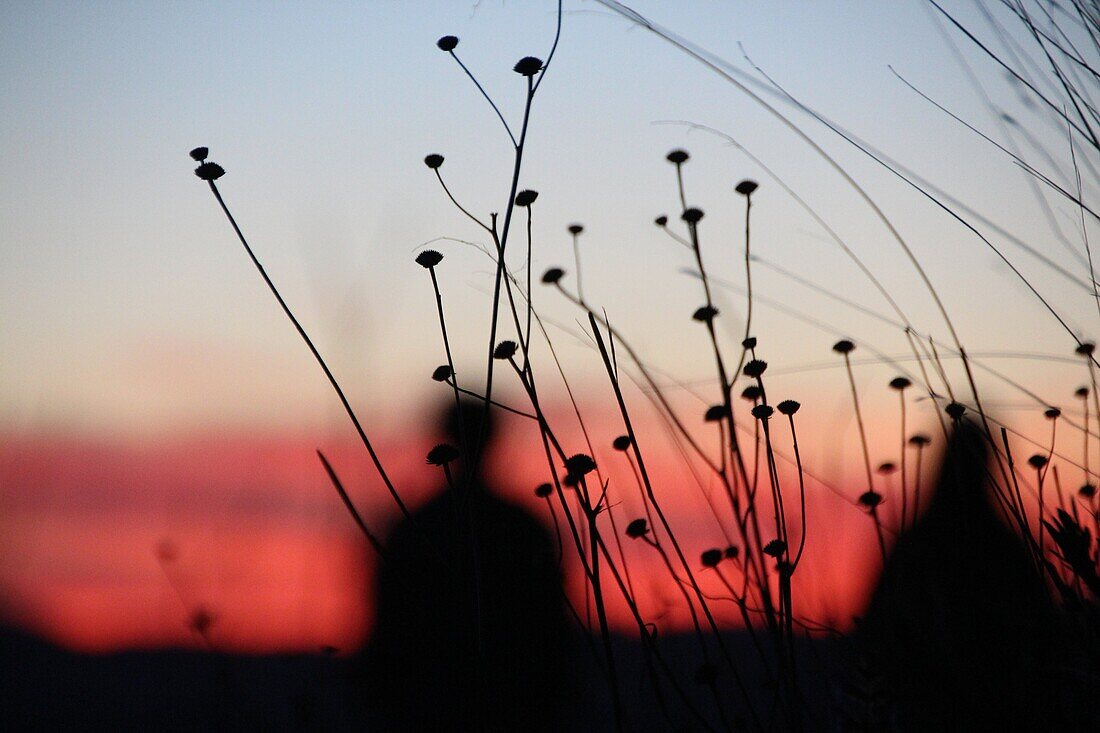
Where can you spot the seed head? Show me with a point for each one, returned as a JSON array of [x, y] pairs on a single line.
[[920, 440], [636, 529], [570, 481], [955, 411], [677, 156], [705, 314], [428, 259], [1052, 413], [1088, 491], [621, 443], [528, 66], [754, 368], [433, 161], [526, 197], [209, 171], [1037, 461], [775, 548], [749, 343], [1082, 392], [447, 43], [752, 393], [167, 552], [199, 154], [788, 407], [762, 412], [746, 187], [575, 229], [731, 552], [580, 464], [715, 413], [442, 373], [711, 557], [844, 346], [900, 383], [661, 220], [887, 468], [870, 499], [692, 215], [442, 454], [551, 276], [505, 350], [1086, 348], [543, 490]]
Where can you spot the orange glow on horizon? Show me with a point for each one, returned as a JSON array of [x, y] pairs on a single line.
[[250, 532]]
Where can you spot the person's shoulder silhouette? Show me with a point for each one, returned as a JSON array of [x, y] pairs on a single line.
[[470, 630], [961, 629]]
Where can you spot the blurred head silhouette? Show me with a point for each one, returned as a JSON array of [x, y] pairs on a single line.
[[470, 629], [471, 429]]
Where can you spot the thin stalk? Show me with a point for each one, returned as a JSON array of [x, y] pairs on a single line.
[[316, 355]]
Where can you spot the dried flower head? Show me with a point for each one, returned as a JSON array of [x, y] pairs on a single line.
[[1082, 392], [209, 171], [1052, 413], [580, 464], [526, 197], [762, 412], [1086, 349], [900, 383], [711, 558], [442, 454], [752, 393], [528, 66], [886, 468], [788, 407], [705, 314], [749, 343], [199, 154], [775, 548], [570, 481], [715, 413], [447, 43], [637, 528], [755, 368], [167, 551], [746, 187], [870, 499], [433, 161], [442, 373], [677, 156], [661, 220], [955, 411], [543, 490], [505, 350], [621, 443], [551, 276], [429, 258], [1087, 491], [1037, 461], [920, 440], [731, 552], [692, 215], [844, 346]]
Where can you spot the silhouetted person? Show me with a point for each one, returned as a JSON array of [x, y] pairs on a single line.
[[471, 632], [961, 632]]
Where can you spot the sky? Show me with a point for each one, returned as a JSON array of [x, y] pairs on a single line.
[[145, 365]]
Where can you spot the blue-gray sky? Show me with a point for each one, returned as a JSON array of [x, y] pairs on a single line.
[[127, 305]]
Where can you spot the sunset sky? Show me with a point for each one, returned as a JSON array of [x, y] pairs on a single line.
[[152, 395]]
